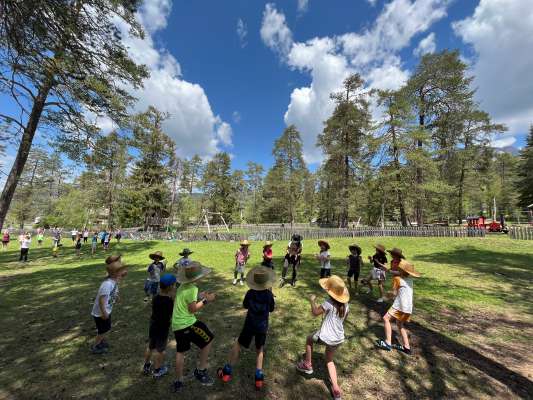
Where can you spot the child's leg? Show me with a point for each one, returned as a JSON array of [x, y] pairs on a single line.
[[147, 355], [242, 276], [322, 272], [204, 354], [234, 354], [235, 273], [332, 371], [309, 349], [294, 272], [349, 281], [259, 358], [380, 286], [159, 359], [388, 328], [99, 339], [180, 358], [285, 268], [403, 333]]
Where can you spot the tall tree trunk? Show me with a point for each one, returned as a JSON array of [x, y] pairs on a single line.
[[419, 212], [399, 193], [24, 149], [110, 217], [460, 194], [344, 215]]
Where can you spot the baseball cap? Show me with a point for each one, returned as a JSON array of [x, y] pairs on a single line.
[[167, 280]]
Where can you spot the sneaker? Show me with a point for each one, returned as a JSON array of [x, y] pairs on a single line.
[[98, 349], [399, 347], [302, 366], [147, 368], [103, 343], [177, 386], [203, 377], [380, 300], [158, 373], [282, 282], [224, 375], [383, 345], [146, 299], [241, 282], [259, 380], [234, 282], [293, 283], [336, 395]]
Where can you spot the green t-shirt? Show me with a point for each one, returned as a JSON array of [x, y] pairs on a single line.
[[186, 294]]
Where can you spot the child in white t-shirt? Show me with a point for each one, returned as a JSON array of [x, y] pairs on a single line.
[[25, 242], [401, 309], [324, 258], [105, 299], [331, 332]]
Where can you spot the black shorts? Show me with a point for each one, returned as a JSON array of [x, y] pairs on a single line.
[[198, 333], [78, 246], [157, 339], [245, 338], [102, 325], [354, 272], [268, 264]]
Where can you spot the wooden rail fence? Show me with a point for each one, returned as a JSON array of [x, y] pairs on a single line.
[[521, 232]]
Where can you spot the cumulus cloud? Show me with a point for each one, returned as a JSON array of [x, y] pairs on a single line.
[[426, 45], [501, 34], [329, 60], [242, 32], [192, 123], [503, 142]]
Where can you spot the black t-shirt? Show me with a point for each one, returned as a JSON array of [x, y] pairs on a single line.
[[382, 258], [355, 262], [161, 312], [259, 304]]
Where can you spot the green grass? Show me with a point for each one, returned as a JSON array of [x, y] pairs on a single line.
[[471, 328]]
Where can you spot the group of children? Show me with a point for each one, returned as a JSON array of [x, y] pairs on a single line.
[[176, 300]]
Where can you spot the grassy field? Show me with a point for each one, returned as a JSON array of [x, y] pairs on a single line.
[[471, 331]]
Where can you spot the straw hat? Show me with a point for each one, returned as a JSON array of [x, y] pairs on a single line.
[[112, 258], [260, 278], [324, 243], [267, 244], [157, 256], [396, 252], [186, 251], [355, 247], [192, 272], [245, 243], [113, 264], [336, 288], [380, 247], [408, 268]]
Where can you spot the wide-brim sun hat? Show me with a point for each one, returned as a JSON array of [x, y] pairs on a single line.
[[355, 247], [245, 243], [260, 278], [267, 244], [113, 258], [157, 256], [380, 247], [396, 252], [336, 288], [192, 272], [324, 243], [408, 268], [186, 252], [115, 266]]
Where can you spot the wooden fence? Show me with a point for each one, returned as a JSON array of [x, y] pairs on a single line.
[[521, 232]]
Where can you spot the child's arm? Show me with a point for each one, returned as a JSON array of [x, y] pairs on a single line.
[[272, 304], [316, 310], [196, 306], [101, 305]]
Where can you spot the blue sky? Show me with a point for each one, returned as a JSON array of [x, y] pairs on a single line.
[[234, 74]]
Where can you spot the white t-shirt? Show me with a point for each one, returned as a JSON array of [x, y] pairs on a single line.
[[324, 260], [73, 233], [25, 243], [108, 289], [85, 234], [404, 300], [332, 329]]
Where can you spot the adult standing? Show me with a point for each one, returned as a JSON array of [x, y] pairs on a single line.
[[74, 234], [85, 235]]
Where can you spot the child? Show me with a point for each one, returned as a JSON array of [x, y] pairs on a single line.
[[331, 332], [397, 257], [401, 309], [5, 240], [107, 239], [155, 269], [292, 258], [162, 306], [78, 245], [184, 260], [379, 262], [241, 257], [267, 256], [40, 237], [25, 242], [259, 301], [105, 299], [73, 235], [186, 327], [324, 258], [85, 235], [354, 261], [94, 242]]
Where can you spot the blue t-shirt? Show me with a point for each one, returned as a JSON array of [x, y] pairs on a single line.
[[259, 304]]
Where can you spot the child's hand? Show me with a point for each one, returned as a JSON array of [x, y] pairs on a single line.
[[312, 297], [210, 296], [105, 316]]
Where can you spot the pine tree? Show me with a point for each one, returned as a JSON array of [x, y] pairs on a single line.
[[219, 188], [524, 184]]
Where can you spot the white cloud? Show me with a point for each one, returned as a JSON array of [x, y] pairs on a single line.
[[274, 31], [236, 116], [426, 45], [329, 60], [501, 34], [302, 5], [242, 32], [192, 123], [503, 142]]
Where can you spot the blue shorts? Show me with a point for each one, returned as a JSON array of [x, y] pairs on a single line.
[[151, 287]]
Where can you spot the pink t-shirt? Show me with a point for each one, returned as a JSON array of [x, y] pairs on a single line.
[[241, 256]]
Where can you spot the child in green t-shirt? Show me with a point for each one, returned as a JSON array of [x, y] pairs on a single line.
[[187, 329]]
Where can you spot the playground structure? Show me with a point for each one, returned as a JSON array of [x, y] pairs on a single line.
[[205, 218], [480, 222]]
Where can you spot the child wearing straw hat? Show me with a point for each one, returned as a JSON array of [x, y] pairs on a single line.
[[324, 258], [106, 297], [241, 258], [397, 257], [162, 306], [184, 260], [292, 258], [186, 327], [331, 332], [259, 301], [267, 256], [379, 266], [401, 309], [354, 262], [155, 269]]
